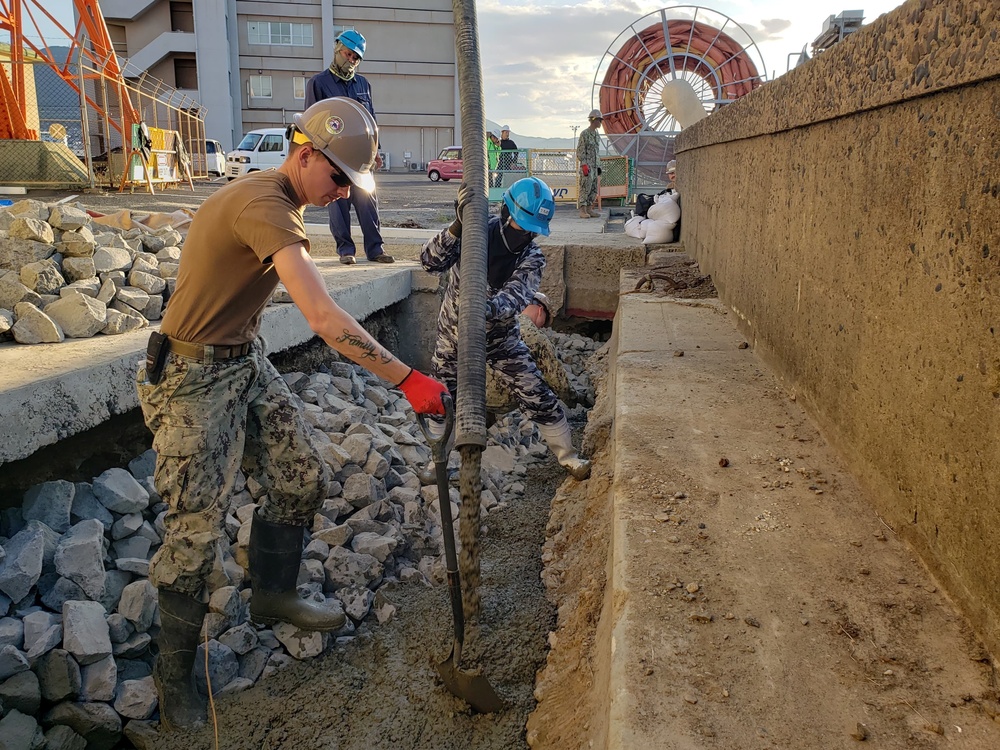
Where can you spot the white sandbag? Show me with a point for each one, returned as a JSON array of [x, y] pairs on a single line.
[[664, 210], [633, 227], [657, 232]]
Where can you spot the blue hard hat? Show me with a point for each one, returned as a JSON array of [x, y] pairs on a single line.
[[354, 41], [531, 204]]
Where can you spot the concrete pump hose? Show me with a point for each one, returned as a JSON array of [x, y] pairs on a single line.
[[470, 412]]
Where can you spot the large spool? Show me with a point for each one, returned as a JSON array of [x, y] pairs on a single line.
[[668, 60]]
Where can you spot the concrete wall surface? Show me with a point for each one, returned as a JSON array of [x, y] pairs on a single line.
[[848, 213]]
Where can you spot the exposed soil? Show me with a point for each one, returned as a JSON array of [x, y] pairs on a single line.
[[380, 690]]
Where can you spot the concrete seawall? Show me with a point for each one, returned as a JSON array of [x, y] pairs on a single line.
[[848, 213]]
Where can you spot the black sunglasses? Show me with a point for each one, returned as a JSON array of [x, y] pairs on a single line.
[[339, 178]]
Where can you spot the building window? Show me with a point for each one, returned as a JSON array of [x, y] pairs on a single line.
[[181, 17], [275, 32], [185, 73], [260, 87], [299, 85]]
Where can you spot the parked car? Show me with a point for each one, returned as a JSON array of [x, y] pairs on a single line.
[[447, 166], [215, 158], [259, 150]]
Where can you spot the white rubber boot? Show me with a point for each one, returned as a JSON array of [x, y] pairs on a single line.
[[559, 438]]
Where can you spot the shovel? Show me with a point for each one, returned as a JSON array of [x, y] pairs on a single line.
[[471, 687]]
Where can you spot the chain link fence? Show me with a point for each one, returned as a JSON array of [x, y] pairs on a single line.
[[90, 133]]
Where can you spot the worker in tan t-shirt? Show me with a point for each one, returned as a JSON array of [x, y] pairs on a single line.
[[215, 404]]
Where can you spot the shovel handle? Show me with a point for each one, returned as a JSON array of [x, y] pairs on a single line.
[[439, 452]]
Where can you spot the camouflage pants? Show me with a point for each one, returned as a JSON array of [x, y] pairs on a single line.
[[499, 398], [511, 364], [587, 195], [208, 420]]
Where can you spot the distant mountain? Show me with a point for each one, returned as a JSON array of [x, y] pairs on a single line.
[[528, 141]]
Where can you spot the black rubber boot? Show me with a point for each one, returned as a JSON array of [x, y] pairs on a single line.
[[181, 707], [275, 555]]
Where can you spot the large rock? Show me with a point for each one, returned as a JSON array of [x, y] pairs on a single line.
[[362, 489], [99, 680], [223, 666], [136, 699], [301, 644], [378, 546], [11, 632], [43, 277], [13, 291], [15, 253], [26, 556], [97, 723], [42, 633], [346, 568], [27, 228], [138, 604], [78, 244], [107, 259], [20, 732], [147, 282], [62, 591], [85, 632], [64, 738], [59, 676], [80, 557], [79, 316], [12, 661], [67, 217], [32, 326], [21, 692], [123, 322], [86, 505], [30, 208], [50, 503], [82, 269], [119, 491]]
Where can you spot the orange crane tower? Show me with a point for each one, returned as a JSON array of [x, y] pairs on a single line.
[[21, 17]]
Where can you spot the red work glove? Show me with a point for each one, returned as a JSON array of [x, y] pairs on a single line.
[[585, 168], [423, 393]]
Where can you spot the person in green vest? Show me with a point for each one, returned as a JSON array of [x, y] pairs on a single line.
[[493, 157]]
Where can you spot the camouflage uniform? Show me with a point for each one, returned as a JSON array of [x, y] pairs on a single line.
[[500, 400], [208, 420], [506, 353], [587, 149]]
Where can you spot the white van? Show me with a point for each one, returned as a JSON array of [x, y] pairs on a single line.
[[259, 150], [213, 161]]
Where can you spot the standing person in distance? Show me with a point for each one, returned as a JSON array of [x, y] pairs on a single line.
[[340, 79], [493, 157], [216, 405], [508, 150], [587, 150]]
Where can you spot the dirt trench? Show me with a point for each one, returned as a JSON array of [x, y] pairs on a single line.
[[380, 690]]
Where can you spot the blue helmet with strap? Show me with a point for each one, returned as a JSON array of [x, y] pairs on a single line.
[[531, 204], [354, 41]]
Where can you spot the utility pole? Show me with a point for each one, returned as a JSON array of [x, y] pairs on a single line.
[[575, 128]]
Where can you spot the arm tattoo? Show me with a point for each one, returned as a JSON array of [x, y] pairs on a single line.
[[369, 350], [367, 347]]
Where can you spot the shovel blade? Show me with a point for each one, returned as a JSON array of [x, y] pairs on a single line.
[[471, 687]]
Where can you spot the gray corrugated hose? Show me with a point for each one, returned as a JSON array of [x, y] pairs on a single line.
[[470, 416]]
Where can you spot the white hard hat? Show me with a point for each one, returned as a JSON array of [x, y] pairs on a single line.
[[495, 134], [505, 127]]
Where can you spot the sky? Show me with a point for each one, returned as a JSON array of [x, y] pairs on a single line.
[[540, 57]]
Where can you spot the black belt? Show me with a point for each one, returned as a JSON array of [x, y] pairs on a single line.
[[209, 352]]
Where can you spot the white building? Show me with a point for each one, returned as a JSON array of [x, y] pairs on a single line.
[[247, 62]]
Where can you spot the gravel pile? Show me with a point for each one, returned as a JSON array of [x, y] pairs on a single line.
[[64, 276], [79, 617]]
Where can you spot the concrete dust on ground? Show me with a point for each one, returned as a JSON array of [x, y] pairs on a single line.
[[758, 598], [380, 690]]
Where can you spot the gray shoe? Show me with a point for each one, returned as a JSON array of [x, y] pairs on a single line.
[[347, 260], [383, 258]]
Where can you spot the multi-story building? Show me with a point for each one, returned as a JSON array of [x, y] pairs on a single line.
[[247, 62]]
